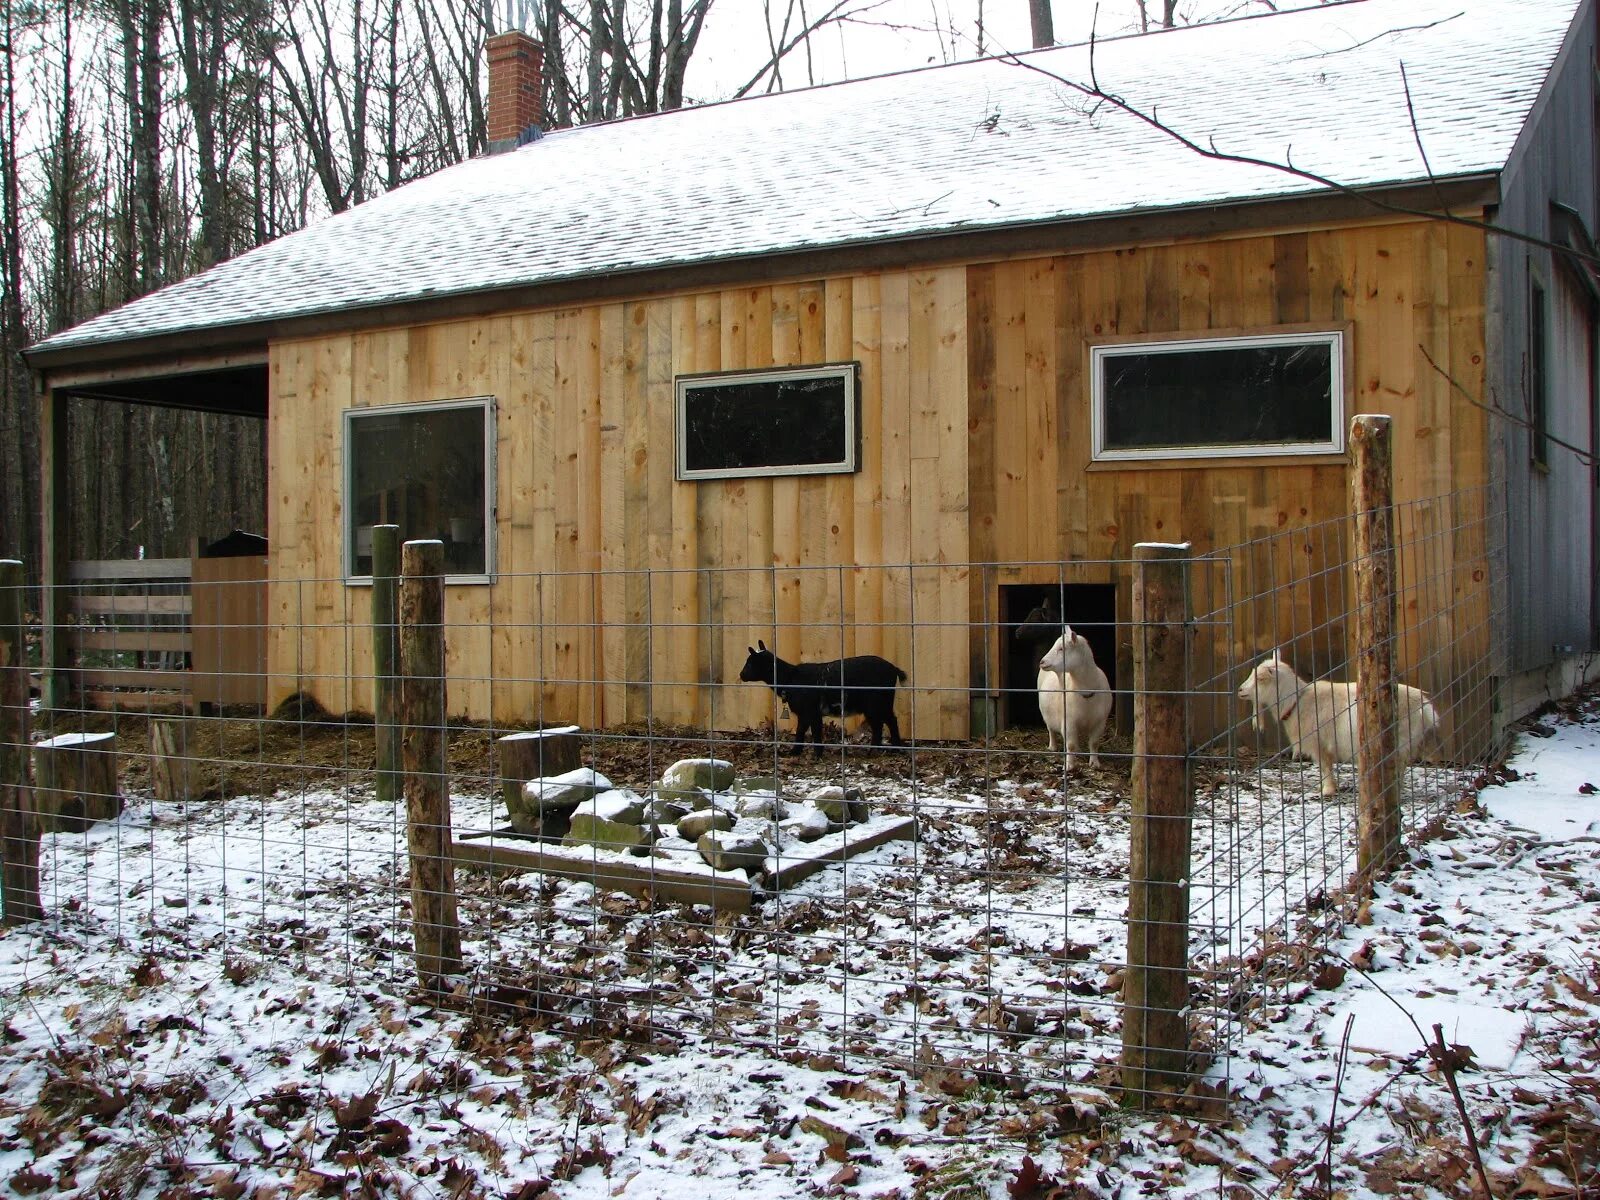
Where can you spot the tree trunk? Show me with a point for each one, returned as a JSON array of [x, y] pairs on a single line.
[[1044, 30]]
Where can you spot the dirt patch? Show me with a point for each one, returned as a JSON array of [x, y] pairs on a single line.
[[249, 753]]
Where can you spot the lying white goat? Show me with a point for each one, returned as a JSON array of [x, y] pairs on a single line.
[[1074, 696], [1319, 719]]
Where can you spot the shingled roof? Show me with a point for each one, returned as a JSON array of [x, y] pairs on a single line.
[[975, 146]]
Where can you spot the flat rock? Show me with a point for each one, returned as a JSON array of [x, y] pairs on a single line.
[[762, 804], [843, 806], [712, 774], [589, 829], [619, 804], [747, 784], [696, 824], [692, 798], [806, 823], [661, 811], [732, 850], [564, 791]]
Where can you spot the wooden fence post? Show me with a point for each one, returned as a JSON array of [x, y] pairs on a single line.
[[1155, 989], [19, 833], [423, 751], [385, 650], [1378, 815], [171, 768]]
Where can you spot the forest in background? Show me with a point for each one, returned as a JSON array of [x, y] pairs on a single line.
[[142, 141]]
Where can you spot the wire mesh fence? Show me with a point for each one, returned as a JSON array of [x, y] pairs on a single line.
[[638, 844]]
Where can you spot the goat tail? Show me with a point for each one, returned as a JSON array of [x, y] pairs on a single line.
[[900, 675]]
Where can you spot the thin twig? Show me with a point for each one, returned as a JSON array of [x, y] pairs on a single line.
[[1341, 1064], [1094, 91], [1416, 135], [1447, 1062]]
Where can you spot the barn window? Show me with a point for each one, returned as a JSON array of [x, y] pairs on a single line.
[[1538, 377], [1246, 395], [799, 421], [428, 468]]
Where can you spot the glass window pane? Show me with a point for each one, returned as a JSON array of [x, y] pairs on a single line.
[[802, 421], [424, 472], [1218, 396]]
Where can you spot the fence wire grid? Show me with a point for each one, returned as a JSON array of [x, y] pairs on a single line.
[[955, 904]]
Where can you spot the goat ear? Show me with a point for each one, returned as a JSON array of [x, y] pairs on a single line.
[[750, 649], [762, 644]]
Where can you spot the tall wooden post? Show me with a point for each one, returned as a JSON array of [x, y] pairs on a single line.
[[385, 651], [1155, 989], [1378, 816], [19, 833], [423, 751], [53, 457]]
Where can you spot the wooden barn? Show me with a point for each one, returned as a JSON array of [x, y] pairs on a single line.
[[869, 367]]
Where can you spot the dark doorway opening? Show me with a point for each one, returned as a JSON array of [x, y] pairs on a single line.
[[1091, 610]]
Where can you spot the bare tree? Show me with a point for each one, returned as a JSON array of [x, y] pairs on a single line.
[[1043, 24]]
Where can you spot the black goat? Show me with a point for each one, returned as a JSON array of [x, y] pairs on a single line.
[[863, 685], [1042, 625]]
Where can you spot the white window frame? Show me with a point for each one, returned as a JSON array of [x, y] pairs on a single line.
[[1334, 339], [847, 371], [490, 433]]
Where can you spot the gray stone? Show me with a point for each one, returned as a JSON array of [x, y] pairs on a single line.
[[762, 804], [693, 799], [619, 804], [564, 791], [588, 829], [696, 824], [712, 774], [806, 823], [733, 850], [844, 806], [746, 784], [666, 812]]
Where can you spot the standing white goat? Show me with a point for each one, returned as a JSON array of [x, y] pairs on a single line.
[[1074, 696], [1319, 719]]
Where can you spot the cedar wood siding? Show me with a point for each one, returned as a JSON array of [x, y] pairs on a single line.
[[1551, 536], [975, 447]]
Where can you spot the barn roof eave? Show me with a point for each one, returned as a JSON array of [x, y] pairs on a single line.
[[1134, 226]]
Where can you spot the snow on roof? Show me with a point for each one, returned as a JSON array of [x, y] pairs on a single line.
[[972, 146]]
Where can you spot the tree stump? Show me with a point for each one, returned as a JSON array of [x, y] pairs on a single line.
[[537, 754], [75, 781], [171, 770]]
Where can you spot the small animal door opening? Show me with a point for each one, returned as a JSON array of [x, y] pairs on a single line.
[[1031, 616]]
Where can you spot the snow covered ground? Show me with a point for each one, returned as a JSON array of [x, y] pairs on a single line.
[[221, 1004]]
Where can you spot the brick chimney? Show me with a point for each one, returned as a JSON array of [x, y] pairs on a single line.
[[516, 70]]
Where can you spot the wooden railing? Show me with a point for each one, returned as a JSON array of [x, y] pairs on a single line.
[[154, 632]]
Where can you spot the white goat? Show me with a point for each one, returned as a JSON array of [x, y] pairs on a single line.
[[1319, 719], [1074, 696]]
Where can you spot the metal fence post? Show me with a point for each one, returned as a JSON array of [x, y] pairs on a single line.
[[385, 692], [1155, 990], [436, 930], [19, 832], [1378, 821]]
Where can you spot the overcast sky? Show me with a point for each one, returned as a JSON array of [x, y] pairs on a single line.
[[896, 35]]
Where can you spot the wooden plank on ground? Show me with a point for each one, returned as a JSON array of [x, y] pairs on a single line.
[[805, 860], [648, 877]]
